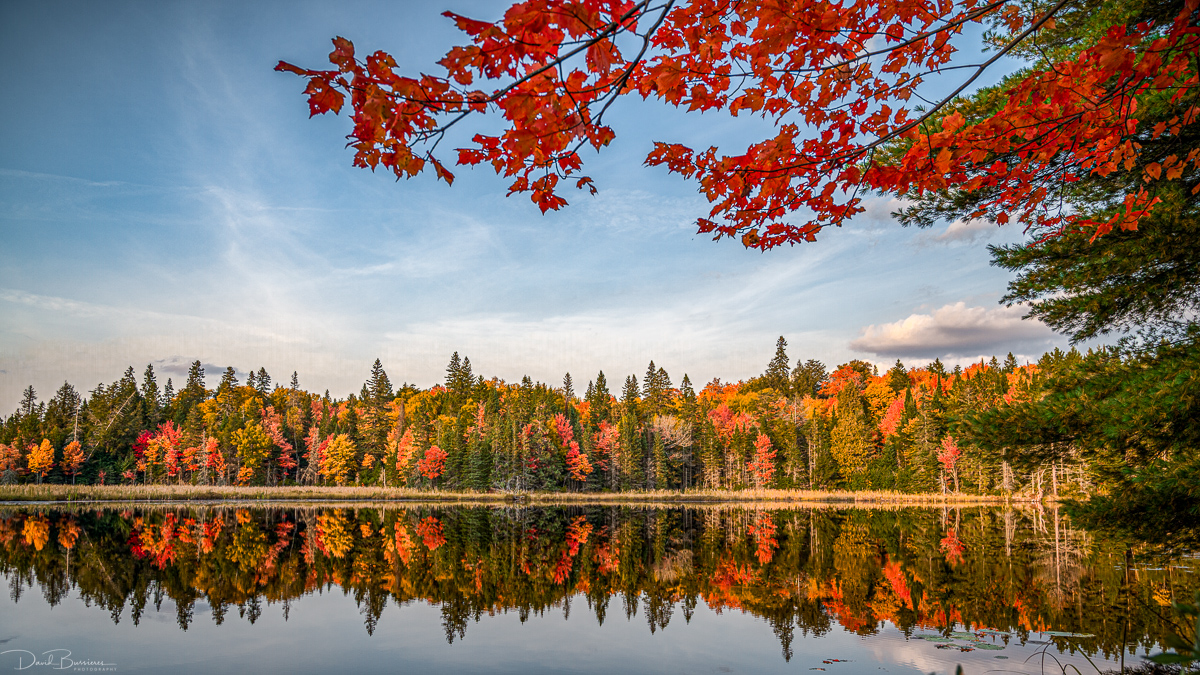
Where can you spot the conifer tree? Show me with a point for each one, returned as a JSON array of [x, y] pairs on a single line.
[[263, 383], [229, 380], [151, 399], [568, 390], [776, 375], [808, 377], [897, 377]]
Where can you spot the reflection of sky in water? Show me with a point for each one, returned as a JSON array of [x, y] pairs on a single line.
[[324, 633]]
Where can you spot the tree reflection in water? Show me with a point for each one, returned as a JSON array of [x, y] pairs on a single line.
[[1002, 573]]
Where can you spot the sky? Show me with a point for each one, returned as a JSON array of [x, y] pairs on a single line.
[[164, 198]]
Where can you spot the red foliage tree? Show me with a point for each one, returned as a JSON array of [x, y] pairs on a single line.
[[836, 79], [433, 463], [948, 457], [763, 465]]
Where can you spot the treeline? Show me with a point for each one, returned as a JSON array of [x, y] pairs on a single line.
[[794, 426], [803, 572]]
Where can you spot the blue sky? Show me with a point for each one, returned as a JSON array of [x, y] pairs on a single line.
[[164, 197]]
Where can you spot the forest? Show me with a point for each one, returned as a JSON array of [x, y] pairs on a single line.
[[916, 429]]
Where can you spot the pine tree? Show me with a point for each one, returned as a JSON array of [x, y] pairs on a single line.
[[229, 380], [685, 389], [151, 398], [466, 378], [61, 420], [776, 376], [897, 377], [655, 389], [378, 388], [599, 401], [568, 390], [28, 401], [808, 377], [629, 396], [193, 392], [263, 383], [453, 371], [649, 385]]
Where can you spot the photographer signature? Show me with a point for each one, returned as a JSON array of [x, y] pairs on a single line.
[[56, 659]]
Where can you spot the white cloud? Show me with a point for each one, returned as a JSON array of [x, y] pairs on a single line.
[[955, 330], [964, 232]]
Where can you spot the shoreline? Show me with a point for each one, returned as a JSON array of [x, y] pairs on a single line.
[[102, 494]]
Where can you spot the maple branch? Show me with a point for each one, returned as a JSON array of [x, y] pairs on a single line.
[[895, 133], [916, 38]]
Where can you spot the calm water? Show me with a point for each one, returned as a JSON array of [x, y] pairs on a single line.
[[580, 589]]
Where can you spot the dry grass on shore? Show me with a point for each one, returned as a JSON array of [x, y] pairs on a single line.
[[173, 493]]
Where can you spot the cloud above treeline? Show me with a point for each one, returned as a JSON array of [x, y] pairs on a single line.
[[956, 330]]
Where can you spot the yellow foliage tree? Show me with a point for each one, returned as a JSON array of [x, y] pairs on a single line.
[[252, 445], [850, 441], [41, 458], [338, 459]]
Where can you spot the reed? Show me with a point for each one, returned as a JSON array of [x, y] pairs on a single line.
[[173, 493]]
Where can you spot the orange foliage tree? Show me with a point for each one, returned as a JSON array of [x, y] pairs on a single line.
[[73, 459], [41, 458], [837, 81]]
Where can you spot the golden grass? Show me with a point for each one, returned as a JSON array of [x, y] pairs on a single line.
[[176, 493]]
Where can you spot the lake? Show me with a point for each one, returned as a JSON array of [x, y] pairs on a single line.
[[306, 588]]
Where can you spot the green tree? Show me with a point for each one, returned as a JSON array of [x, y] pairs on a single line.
[[777, 376]]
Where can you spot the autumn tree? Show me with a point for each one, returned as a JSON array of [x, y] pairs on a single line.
[[41, 459], [433, 464], [337, 459], [762, 468], [850, 438], [73, 459]]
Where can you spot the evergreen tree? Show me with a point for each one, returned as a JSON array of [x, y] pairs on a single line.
[[466, 378], [629, 396], [150, 395], [650, 393], [263, 383], [776, 376], [28, 401], [377, 390], [453, 371], [600, 401], [897, 377], [229, 380], [808, 377], [689, 396], [61, 420], [568, 389]]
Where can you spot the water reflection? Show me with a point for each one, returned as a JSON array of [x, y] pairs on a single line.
[[972, 583]]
